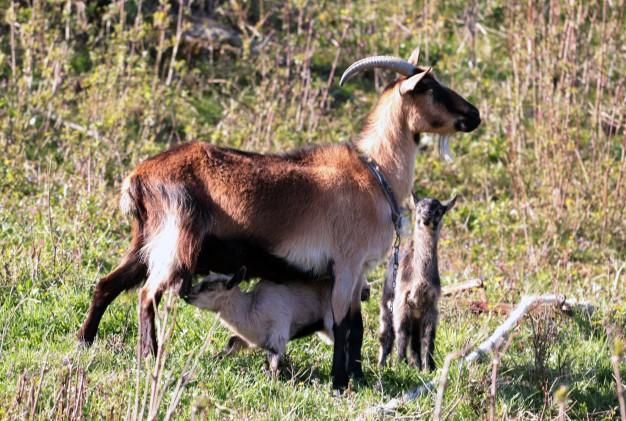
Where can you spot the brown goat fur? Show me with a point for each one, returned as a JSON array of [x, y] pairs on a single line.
[[197, 207], [417, 291]]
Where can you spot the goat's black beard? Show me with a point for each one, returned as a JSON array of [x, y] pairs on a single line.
[[416, 138]]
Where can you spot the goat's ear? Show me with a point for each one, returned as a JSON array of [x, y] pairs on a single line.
[[409, 84], [449, 204], [416, 199], [237, 278], [415, 56]]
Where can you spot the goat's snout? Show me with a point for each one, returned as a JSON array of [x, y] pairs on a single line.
[[188, 296], [191, 294], [469, 121]]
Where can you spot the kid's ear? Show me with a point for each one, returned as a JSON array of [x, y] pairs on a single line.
[[237, 278], [449, 204]]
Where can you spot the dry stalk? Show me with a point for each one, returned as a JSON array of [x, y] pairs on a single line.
[[443, 379], [157, 382], [44, 366], [461, 287], [495, 363], [179, 33], [618, 355]]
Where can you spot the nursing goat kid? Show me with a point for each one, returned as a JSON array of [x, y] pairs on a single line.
[[417, 290], [311, 214], [268, 316]]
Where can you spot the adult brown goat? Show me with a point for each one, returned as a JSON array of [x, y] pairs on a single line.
[[310, 214]]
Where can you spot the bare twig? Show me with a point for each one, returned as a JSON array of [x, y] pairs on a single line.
[[463, 286], [179, 33], [443, 379], [33, 409]]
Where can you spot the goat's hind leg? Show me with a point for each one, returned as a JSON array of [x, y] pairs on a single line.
[[234, 345], [171, 254], [130, 272], [429, 331], [149, 298], [415, 354], [402, 326]]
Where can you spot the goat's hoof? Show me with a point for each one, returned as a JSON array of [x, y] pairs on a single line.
[[81, 343], [358, 375], [366, 293], [84, 339], [359, 381], [340, 383]]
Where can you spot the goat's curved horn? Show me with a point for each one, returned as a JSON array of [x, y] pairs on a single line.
[[396, 64]]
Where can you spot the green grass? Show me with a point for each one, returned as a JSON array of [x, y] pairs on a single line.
[[541, 185]]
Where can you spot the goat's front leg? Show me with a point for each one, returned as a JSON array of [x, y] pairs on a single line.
[[343, 278], [402, 325], [273, 360], [275, 350], [355, 337]]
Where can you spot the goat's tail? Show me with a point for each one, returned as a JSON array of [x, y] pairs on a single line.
[[131, 196], [168, 226]]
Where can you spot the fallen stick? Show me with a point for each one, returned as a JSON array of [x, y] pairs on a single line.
[[526, 304], [460, 287]]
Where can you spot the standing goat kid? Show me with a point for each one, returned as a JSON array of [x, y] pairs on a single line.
[[198, 208], [418, 288]]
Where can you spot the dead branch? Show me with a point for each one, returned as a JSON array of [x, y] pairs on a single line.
[[460, 287], [71, 125], [525, 305], [482, 306]]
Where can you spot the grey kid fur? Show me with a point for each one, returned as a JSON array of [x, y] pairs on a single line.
[[418, 287], [271, 314]]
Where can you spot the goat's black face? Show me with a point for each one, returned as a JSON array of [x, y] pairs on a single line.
[[439, 109], [429, 212]]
